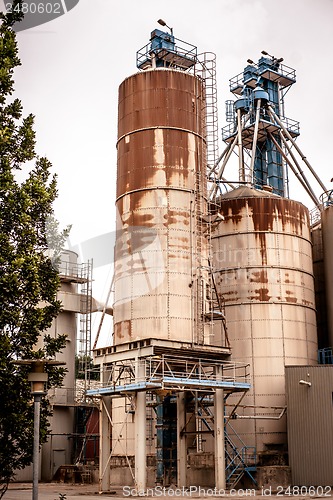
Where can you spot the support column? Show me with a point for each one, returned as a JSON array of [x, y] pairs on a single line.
[[140, 431], [181, 441], [219, 435], [104, 443], [35, 463]]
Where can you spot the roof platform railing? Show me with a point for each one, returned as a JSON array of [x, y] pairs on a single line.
[[172, 53], [282, 74]]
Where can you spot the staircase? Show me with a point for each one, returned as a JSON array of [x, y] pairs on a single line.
[[240, 461]]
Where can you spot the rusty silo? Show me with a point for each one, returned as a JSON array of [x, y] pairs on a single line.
[[161, 167], [327, 235], [263, 260]]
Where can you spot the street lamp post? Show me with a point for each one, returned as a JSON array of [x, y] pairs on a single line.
[[38, 378]]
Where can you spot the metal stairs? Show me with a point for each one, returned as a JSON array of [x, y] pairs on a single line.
[[240, 461]]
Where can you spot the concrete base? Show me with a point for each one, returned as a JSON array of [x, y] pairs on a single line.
[[121, 474], [200, 469], [273, 476]]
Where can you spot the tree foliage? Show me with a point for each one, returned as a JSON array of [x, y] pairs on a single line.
[[28, 277]]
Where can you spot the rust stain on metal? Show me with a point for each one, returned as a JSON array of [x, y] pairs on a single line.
[[157, 98], [122, 329], [292, 300], [266, 214], [175, 217], [161, 154], [306, 302], [259, 277], [289, 297], [261, 294]]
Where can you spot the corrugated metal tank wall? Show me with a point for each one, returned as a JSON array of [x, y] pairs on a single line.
[[327, 233], [161, 159], [263, 257]]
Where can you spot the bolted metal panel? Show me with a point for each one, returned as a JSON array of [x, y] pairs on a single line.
[[263, 257], [310, 423], [161, 159], [327, 234]]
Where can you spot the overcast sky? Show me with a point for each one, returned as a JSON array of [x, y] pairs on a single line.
[[72, 67]]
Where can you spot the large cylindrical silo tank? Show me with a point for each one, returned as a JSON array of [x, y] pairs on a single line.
[[161, 163], [320, 285], [263, 260], [327, 234]]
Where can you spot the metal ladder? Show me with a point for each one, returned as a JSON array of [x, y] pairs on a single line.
[[84, 346]]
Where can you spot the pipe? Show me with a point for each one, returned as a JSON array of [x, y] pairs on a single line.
[[274, 115], [240, 147], [260, 417], [302, 179], [212, 192], [284, 140], [219, 159], [103, 313], [255, 137]]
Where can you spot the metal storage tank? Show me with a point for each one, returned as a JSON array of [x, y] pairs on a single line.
[[263, 260], [320, 286], [327, 234], [161, 167]]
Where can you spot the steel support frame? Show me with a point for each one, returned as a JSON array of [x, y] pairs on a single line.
[[140, 432], [134, 376]]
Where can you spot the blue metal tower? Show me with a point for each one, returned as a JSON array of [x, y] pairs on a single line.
[[260, 89]]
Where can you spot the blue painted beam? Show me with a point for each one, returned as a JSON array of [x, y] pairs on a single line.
[[146, 386]]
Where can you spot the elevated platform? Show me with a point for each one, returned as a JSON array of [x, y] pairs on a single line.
[[164, 50], [265, 126], [284, 75], [167, 365], [151, 347], [74, 273]]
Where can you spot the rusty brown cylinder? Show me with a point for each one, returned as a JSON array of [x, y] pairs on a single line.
[[161, 156], [263, 257]]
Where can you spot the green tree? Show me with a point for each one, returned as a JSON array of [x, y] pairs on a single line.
[[28, 277]]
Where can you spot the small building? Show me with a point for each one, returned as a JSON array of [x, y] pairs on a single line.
[[310, 423]]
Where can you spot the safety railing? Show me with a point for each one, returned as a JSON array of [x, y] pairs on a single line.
[[280, 69], [183, 52], [173, 372]]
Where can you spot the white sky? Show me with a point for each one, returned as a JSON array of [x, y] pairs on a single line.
[[72, 67]]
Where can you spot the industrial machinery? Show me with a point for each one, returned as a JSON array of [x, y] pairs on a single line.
[[214, 290], [171, 352], [262, 250]]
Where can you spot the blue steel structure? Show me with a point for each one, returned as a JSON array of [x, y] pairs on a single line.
[[165, 51], [325, 356], [268, 80]]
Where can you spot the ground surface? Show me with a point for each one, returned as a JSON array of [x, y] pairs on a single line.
[[54, 491]]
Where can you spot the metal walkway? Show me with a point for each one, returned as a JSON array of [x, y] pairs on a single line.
[[177, 373]]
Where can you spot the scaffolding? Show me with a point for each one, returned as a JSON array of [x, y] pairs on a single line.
[[81, 275]]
